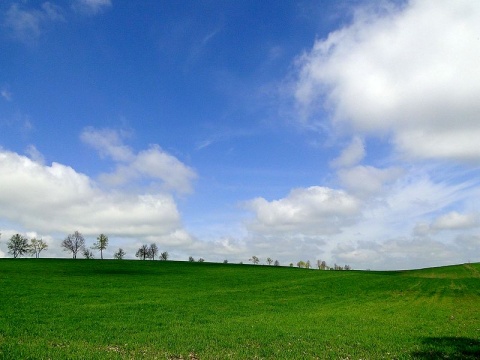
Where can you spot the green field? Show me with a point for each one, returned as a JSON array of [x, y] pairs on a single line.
[[113, 309]]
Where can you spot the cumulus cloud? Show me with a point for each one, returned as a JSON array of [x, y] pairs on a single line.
[[398, 253], [454, 221], [317, 210], [351, 155], [56, 198], [368, 180], [409, 71], [151, 164], [91, 7], [398, 222], [27, 24]]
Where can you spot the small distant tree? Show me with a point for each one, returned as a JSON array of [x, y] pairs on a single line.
[[191, 259], [301, 264], [276, 263], [74, 243], [119, 255], [88, 254], [225, 261], [164, 256], [291, 265], [254, 260], [18, 245], [143, 252], [307, 264], [153, 251], [269, 261], [201, 260], [37, 246], [322, 265], [101, 244], [347, 267]]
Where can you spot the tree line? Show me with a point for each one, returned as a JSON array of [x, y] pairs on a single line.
[[20, 245]]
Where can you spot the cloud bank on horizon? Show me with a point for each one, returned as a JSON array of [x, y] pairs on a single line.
[[366, 153]]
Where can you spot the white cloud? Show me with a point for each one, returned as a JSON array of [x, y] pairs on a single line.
[[35, 155], [26, 24], [108, 142], [92, 7], [410, 72], [316, 210], [151, 164], [351, 155], [454, 220], [57, 199], [7, 95], [398, 253], [367, 180], [387, 225]]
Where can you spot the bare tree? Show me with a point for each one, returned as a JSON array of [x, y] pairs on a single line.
[[74, 242], [101, 244], [18, 245], [254, 260], [269, 261], [191, 259], [37, 246], [201, 260], [119, 254], [143, 252], [164, 256], [153, 251], [307, 264]]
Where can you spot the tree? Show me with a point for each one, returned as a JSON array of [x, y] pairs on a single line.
[[153, 251], [201, 260], [101, 244], [191, 259], [269, 261], [307, 264], [225, 261], [164, 256], [119, 254], [301, 264], [254, 260], [142, 252], [74, 242], [37, 246], [18, 245], [276, 263], [88, 254], [322, 265]]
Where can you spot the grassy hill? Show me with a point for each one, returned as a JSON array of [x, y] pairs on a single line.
[[93, 309]]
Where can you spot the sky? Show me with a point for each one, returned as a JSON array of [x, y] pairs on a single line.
[[344, 131]]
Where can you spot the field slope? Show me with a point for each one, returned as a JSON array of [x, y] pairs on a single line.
[[92, 309]]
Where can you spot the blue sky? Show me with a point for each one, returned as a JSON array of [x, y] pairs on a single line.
[[297, 130]]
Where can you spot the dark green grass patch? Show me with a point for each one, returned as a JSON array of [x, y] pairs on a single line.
[[93, 309]]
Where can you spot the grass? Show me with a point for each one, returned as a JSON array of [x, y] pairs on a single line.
[[93, 309]]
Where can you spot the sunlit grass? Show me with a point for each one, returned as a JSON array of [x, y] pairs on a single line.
[[93, 309]]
